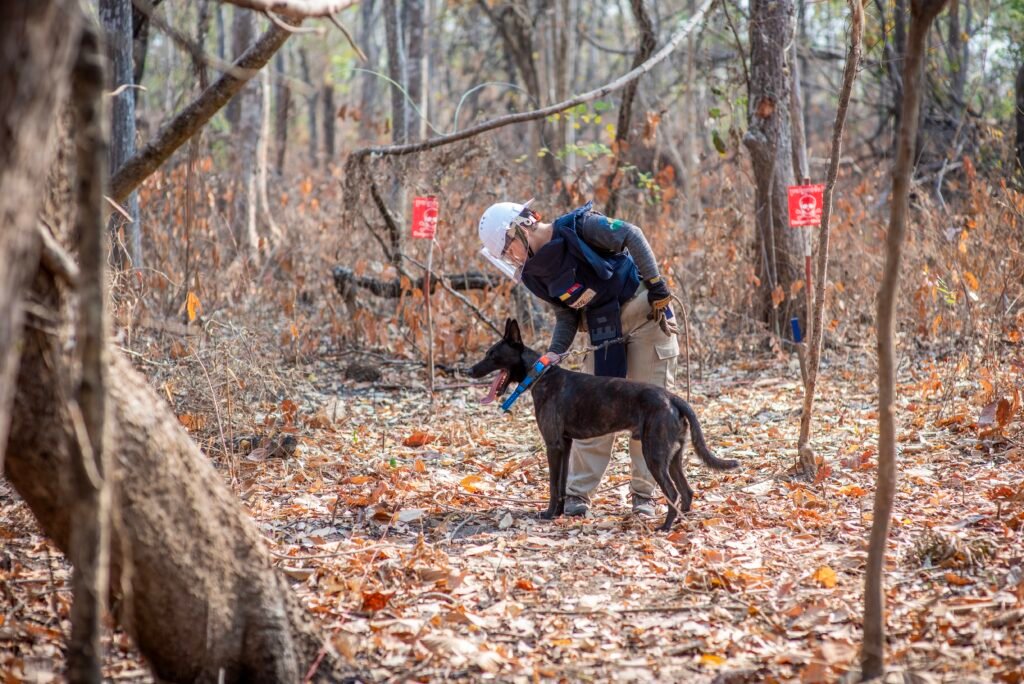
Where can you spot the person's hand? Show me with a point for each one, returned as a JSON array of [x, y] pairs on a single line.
[[660, 299]]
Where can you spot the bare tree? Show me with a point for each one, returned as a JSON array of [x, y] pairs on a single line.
[[644, 50], [413, 20], [922, 14], [282, 103], [806, 463], [768, 139], [195, 586], [248, 135], [368, 88], [1019, 116], [396, 71], [116, 16], [311, 107]]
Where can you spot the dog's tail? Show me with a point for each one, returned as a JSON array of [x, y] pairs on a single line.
[[698, 439]]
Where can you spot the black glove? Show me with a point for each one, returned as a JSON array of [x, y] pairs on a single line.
[[660, 298], [658, 294]]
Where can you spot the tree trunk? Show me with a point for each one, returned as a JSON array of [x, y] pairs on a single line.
[[1019, 86], [272, 230], [413, 12], [242, 28], [282, 102], [923, 12], [204, 602], [89, 542], [248, 133], [311, 107], [36, 41], [193, 582], [368, 83], [329, 119], [140, 46], [516, 29], [621, 146], [116, 16], [396, 71], [769, 142], [222, 51]]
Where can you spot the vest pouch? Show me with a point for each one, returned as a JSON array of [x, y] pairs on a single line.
[[605, 323]]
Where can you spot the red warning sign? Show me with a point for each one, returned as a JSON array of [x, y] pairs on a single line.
[[805, 203], [424, 217]]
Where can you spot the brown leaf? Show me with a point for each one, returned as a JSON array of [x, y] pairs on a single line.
[[778, 296], [650, 128], [374, 600], [766, 107], [418, 438]]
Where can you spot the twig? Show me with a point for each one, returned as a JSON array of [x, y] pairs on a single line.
[[293, 29], [348, 37], [337, 554], [470, 305]]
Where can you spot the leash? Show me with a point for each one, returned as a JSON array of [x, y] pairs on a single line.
[[549, 360], [540, 367], [624, 338]]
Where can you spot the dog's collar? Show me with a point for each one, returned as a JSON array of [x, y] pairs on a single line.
[[540, 367]]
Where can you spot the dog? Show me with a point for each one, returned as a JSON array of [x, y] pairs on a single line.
[[570, 405]]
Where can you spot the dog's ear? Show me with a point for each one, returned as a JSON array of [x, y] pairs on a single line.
[[512, 334]]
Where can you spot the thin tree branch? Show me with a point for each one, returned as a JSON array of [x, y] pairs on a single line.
[[296, 9], [618, 84], [186, 123]]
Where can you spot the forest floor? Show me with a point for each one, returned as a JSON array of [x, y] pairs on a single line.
[[411, 533]]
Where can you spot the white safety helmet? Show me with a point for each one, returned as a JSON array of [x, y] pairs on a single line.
[[495, 227]]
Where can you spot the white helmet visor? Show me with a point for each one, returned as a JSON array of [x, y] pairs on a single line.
[[513, 271]]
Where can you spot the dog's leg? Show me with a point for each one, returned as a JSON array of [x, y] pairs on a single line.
[[558, 458], [563, 474], [657, 455], [675, 469]]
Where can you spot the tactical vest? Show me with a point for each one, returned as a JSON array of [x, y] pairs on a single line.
[[568, 272]]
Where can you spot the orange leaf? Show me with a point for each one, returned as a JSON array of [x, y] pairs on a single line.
[[971, 280], [1004, 411], [825, 576], [958, 580], [193, 306], [778, 296], [525, 585], [712, 660], [374, 600], [418, 466], [852, 490], [469, 483], [418, 438]]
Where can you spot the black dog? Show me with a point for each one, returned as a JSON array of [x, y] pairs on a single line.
[[571, 405]]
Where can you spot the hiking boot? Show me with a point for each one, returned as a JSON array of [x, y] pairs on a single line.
[[576, 506], [643, 506]]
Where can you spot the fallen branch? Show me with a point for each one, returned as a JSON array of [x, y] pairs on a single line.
[[344, 278]]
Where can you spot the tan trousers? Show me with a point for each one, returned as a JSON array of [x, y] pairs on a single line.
[[650, 357]]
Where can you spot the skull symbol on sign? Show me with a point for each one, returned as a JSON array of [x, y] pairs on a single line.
[[807, 206]]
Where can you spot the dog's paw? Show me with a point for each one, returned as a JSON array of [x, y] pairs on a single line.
[[548, 514]]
